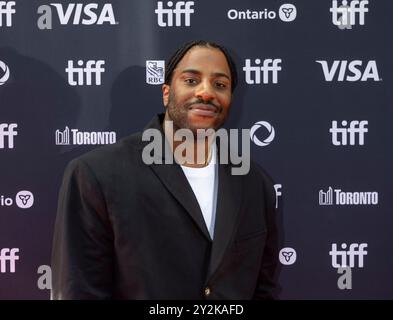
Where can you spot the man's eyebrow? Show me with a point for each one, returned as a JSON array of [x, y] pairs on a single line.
[[214, 74]]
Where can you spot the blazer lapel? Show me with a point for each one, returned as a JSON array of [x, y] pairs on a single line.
[[229, 197], [172, 176]]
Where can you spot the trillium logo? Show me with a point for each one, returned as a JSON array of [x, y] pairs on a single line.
[[287, 256], [24, 199], [287, 12], [268, 139], [4, 73]]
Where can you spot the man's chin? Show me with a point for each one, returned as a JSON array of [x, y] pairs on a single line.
[[202, 122], [203, 125]]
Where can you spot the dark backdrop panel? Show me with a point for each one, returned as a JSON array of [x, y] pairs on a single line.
[[36, 95]]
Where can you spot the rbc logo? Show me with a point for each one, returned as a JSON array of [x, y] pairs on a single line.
[[269, 66], [182, 8], [155, 71]]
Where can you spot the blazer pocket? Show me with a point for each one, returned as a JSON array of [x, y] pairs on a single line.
[[254, 239]]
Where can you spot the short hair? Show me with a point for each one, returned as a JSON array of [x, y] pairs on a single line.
[[180, 52]]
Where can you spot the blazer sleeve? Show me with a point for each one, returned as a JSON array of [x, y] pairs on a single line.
[[267, 281], [82, 252]]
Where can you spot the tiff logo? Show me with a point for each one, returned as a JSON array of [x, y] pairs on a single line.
[[339, 257], [7, 131], [155, 71], [344, 16], [84, 75], [356, 129], [6, 10], [277, 189], [253, 73], [8, 256], [182, 8], [350, 70]]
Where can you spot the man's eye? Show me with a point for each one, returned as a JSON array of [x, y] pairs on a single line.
[[221, 85], [190, 81]]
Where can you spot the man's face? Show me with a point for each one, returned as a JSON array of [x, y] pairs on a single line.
[[199, 95]]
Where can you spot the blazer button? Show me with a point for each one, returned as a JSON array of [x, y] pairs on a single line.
[[207, 291]]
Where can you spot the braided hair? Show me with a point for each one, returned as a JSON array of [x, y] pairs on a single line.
[[180, 52]]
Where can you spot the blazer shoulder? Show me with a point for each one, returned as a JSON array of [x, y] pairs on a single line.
[[110, 159]]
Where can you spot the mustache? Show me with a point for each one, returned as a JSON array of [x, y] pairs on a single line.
[[207, 103]]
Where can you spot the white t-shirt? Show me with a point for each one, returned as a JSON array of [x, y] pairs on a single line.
[[204, 183]]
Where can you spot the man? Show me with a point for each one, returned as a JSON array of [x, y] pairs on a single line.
[[126, 229]]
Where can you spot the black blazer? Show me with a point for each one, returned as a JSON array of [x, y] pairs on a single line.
[[127, 230]]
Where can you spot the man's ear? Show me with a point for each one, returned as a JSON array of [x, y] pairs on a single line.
[[165, 94]]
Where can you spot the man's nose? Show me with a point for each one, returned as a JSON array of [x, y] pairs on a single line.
[[205, 92]]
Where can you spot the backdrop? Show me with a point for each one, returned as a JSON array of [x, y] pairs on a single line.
[[315, 87]]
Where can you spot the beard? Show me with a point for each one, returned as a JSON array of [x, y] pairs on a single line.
[[179, 114]]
